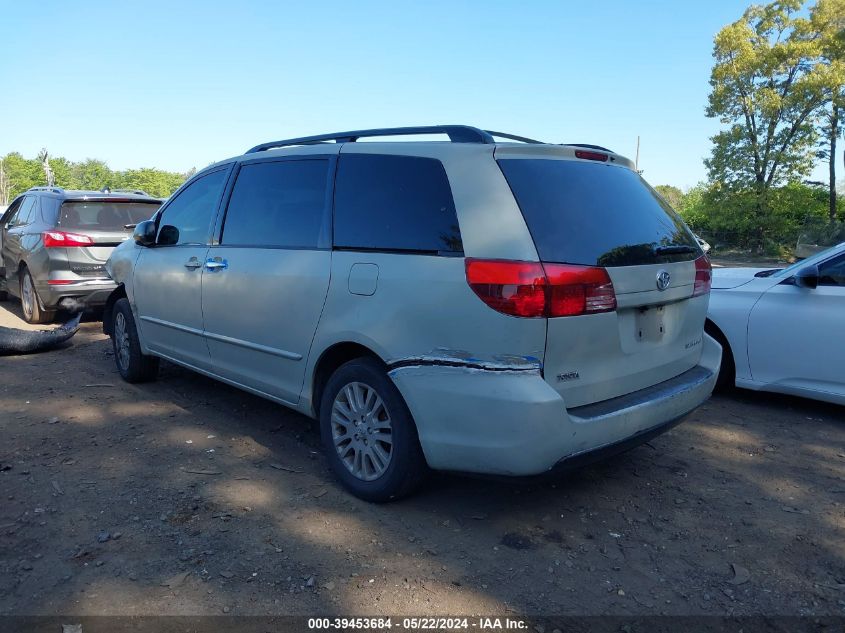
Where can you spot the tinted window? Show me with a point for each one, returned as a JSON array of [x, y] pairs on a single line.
[[27, 211], [11, 212], [193, 209], [104, 216], [277, 204], [394, 203], [50, 210], [593, 214], [832, 273]]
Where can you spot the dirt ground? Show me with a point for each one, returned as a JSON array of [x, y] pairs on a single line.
[[185, 496]]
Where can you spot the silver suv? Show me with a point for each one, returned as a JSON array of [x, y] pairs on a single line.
[[471, 305]]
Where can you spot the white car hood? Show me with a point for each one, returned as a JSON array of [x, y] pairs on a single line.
[[726, 278]]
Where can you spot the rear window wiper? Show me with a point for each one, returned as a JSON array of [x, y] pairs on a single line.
[[674, 249]]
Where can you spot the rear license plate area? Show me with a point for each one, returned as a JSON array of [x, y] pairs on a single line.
[[650, 323]]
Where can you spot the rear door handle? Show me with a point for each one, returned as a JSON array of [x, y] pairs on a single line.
[[193, 263]]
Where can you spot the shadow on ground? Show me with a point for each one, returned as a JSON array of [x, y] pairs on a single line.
[[185, 496]]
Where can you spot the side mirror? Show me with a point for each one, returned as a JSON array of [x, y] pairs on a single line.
[[145, 233], [168, 235], [807, 277]]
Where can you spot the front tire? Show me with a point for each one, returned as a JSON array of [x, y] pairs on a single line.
[[369, 434], [31, 303], [133, 365]]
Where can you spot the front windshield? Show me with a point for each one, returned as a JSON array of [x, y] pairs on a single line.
[[791, 270]]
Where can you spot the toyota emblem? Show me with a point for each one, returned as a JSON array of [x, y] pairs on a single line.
[[663, 280]]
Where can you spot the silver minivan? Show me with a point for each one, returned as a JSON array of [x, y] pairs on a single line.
[[484, 304]]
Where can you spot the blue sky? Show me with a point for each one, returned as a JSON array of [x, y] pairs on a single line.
[[181, 84]]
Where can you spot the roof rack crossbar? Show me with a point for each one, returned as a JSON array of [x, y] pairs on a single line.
[[456, 134]]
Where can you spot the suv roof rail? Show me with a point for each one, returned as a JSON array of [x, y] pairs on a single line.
[[139, 192], [456, 134], [514, 137], [53, 189]]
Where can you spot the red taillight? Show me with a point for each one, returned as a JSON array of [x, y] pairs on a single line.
[[587, 155], [61, 239], [59, 282], [577, 290], [703, 276], [515, 288], [532, 289]]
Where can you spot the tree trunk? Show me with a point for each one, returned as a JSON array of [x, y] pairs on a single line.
[[834, 133], [760, 208]]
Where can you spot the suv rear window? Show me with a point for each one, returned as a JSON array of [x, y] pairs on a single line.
[[105, 215], [596, 215], [394, 203]]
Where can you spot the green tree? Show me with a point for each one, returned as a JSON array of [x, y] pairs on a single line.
[[22, 173], [767, 87], [673, 195], [90, 174], [154, 181], [693, 209], [828, 19]]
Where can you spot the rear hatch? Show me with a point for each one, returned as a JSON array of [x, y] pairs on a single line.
[[587, 207], [96, 226]]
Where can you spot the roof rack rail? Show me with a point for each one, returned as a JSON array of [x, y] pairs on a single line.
[[52, 189], [456, 134], [139, 192], [588, 146], [514, 137]]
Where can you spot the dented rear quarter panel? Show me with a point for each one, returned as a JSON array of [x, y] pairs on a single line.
[[422, 309]]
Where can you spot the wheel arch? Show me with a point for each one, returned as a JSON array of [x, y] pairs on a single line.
[[117, 294], [329, 361], [728, 360]]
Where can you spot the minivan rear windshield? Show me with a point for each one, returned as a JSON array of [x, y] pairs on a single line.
[[108, 215], [596, 215]]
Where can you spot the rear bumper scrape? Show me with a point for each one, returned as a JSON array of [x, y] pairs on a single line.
[[503, 418]]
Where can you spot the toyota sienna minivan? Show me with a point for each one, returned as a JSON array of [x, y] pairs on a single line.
[[483, 304]]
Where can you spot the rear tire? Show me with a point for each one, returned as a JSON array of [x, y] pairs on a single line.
[[31, 302], [727, 370], [369, 434], [132, 365]]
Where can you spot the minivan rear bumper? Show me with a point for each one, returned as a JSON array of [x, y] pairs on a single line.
[[513, 423]]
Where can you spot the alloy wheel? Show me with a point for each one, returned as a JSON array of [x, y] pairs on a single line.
[[27, 297], [121, 341], [362, 431]]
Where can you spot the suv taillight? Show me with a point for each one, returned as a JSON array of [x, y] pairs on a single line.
[[61, 239], [703, 276], [534, 289]]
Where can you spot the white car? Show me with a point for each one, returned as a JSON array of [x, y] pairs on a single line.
[[782, 330]]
